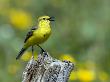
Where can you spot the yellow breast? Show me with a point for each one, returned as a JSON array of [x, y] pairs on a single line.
[[41, 35]]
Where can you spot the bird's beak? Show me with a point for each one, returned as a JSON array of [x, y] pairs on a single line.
[[51, 19]]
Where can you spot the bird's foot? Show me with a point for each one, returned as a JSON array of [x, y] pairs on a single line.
[[42, 51]]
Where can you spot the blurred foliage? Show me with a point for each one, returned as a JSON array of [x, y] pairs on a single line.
[[81, 34]]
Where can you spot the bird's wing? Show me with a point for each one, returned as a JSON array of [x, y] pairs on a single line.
[[30, 33]]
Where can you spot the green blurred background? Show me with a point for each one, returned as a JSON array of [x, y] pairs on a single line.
[[81, 34]]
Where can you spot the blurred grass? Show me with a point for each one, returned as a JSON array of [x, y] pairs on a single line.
[[80, 34]]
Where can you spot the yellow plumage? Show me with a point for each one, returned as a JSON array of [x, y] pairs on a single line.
[[38, 35]]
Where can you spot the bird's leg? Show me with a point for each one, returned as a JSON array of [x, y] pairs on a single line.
[[32, 50], [42, 50]]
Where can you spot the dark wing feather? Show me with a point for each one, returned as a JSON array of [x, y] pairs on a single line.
[[30, 33]]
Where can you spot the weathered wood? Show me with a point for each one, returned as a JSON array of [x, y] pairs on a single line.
[[47, 69]]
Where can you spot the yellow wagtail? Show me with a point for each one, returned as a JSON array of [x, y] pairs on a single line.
[[37, 35]]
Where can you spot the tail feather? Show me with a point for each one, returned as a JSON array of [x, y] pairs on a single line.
[[20, 53]]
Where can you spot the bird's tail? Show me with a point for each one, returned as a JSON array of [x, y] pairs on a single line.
[[20, 53]]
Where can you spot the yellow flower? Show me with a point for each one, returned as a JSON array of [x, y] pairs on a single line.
[[103, 76], [27, 56], [20, 19], [86, 75], [67, 57], [12, 69]]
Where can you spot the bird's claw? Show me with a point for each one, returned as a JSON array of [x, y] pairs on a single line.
[[42, 51]]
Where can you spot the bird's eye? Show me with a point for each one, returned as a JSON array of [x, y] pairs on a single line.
[[44, 18]]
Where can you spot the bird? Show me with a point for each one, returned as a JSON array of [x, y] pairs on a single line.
[[37, 35]]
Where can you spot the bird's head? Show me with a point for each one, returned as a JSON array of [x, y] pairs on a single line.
[[45, 19]]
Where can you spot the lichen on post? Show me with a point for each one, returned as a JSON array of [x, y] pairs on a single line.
[[47, 69]]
